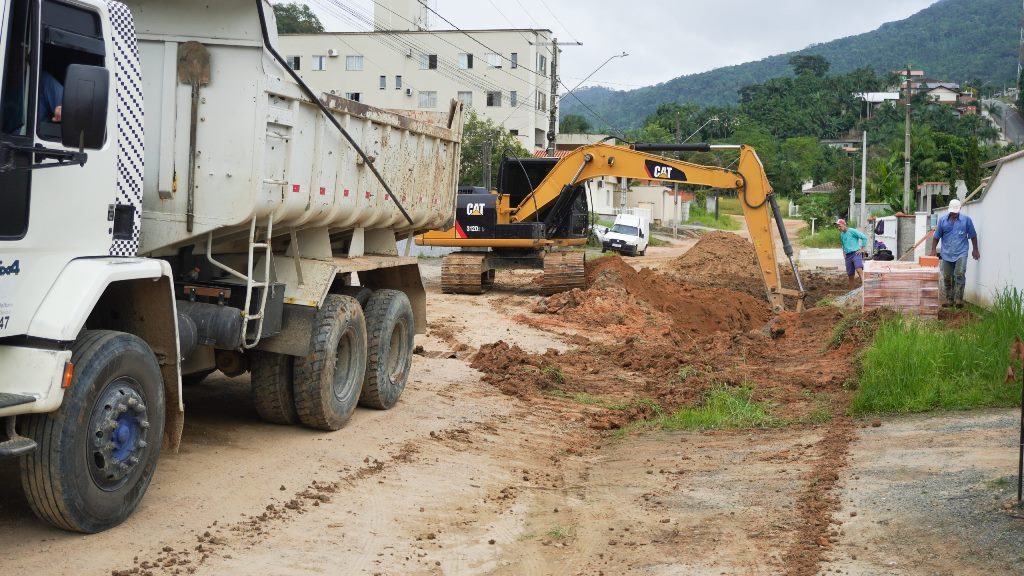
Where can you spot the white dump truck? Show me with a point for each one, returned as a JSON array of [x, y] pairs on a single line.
[[174, 200]]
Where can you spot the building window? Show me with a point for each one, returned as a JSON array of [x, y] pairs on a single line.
[[353, 62], [465, 61], [466, 98], [428, 99], [494, 99], [513, 98], [353, 96], [493, 60], [514, 57], [428, 61], [542, 64], [293, 62], [319, 63], [542, 104], [383, 82], [398, 82], [514, 132]]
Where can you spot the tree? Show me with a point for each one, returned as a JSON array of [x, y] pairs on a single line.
[[475, 133], [809, 64], [574, 124], [295, 18]]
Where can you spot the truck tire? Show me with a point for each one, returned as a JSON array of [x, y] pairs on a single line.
[[98, 451], [390, 328], [271, 377], [329, 379], [360, 293], [642, 252]]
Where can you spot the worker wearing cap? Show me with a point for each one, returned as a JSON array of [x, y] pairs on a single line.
[[854, 242], [954, 230]]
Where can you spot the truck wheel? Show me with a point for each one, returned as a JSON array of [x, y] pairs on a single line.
[[360, 293], [98, 451], [643, 252], [390, 328], [271, 377], [329, 379]]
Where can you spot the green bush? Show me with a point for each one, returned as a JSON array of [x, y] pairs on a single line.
[[914, 365]]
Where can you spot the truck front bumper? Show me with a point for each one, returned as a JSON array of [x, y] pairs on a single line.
[[34, 373]]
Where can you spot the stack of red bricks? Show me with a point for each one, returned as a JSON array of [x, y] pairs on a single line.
[[903, 286]]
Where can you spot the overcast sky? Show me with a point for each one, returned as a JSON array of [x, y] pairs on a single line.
[[664, 38]]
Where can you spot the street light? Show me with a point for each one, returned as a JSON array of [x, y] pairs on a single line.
[[623, 55]]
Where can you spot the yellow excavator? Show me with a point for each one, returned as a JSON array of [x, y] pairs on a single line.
[[528, 225]]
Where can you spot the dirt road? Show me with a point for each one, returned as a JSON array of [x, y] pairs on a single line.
[[461, 478]]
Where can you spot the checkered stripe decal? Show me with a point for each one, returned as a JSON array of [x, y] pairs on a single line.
[[128, 88]]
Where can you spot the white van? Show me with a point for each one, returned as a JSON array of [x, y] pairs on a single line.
[[629, 235]]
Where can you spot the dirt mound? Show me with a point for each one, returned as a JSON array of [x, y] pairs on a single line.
[[618, 294], [725, 260], [720, 259]]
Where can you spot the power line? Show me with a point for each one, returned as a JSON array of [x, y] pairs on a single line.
[[470, 36], [553, 15]]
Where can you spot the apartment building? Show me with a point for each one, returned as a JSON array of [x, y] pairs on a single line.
[[503, 75]]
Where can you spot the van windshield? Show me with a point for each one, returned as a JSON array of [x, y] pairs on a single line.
[[627, 230]]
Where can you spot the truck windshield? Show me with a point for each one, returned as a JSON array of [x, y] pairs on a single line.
[[627, 230]]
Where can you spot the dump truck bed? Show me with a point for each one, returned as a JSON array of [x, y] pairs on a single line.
[[261, 149]]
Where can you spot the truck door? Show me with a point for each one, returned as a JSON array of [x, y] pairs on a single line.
[[17, 100]]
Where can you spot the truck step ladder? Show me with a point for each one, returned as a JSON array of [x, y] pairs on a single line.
[[16, 445], [250, 283]]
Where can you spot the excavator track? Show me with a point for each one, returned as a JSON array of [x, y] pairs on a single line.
[[465, 273], [564, 271]]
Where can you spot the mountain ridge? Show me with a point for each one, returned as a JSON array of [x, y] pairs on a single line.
[[954, 40]]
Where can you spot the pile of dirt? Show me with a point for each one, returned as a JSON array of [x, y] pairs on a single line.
[[720, 259], [620, 295], [725, 260]]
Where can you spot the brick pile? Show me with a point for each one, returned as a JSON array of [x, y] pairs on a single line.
[[903, 286]]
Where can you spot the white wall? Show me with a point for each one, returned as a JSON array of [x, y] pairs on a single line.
[[996, 215], [397, 53]]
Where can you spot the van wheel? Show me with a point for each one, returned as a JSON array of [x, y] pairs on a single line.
[[390, 328], [329, 379], [98, 451]]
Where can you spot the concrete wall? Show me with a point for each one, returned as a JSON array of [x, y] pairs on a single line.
[[398, 53], [996, 215]]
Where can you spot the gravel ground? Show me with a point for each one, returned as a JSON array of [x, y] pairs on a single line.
[[932, 494]]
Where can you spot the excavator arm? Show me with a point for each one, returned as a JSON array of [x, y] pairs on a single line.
[[749, 181]]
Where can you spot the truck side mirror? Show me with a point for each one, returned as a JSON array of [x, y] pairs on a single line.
[[84, 109]]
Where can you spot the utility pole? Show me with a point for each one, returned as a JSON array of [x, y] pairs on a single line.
[[906, 151], [487, 165], [864, 184], [553, 118]]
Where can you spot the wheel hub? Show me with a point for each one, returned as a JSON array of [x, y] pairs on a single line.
[[119, 426]]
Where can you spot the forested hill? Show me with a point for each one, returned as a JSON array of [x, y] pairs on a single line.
[[955, 40]]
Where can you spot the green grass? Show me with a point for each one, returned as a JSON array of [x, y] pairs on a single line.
[[724, 222], [823, 238], [915, 365], [554, 372], [731, 205], [558, 533], [722, 407], [655, 241]]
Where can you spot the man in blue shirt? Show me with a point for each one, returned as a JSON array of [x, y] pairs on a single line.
[[854, 242], [954, 230]]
